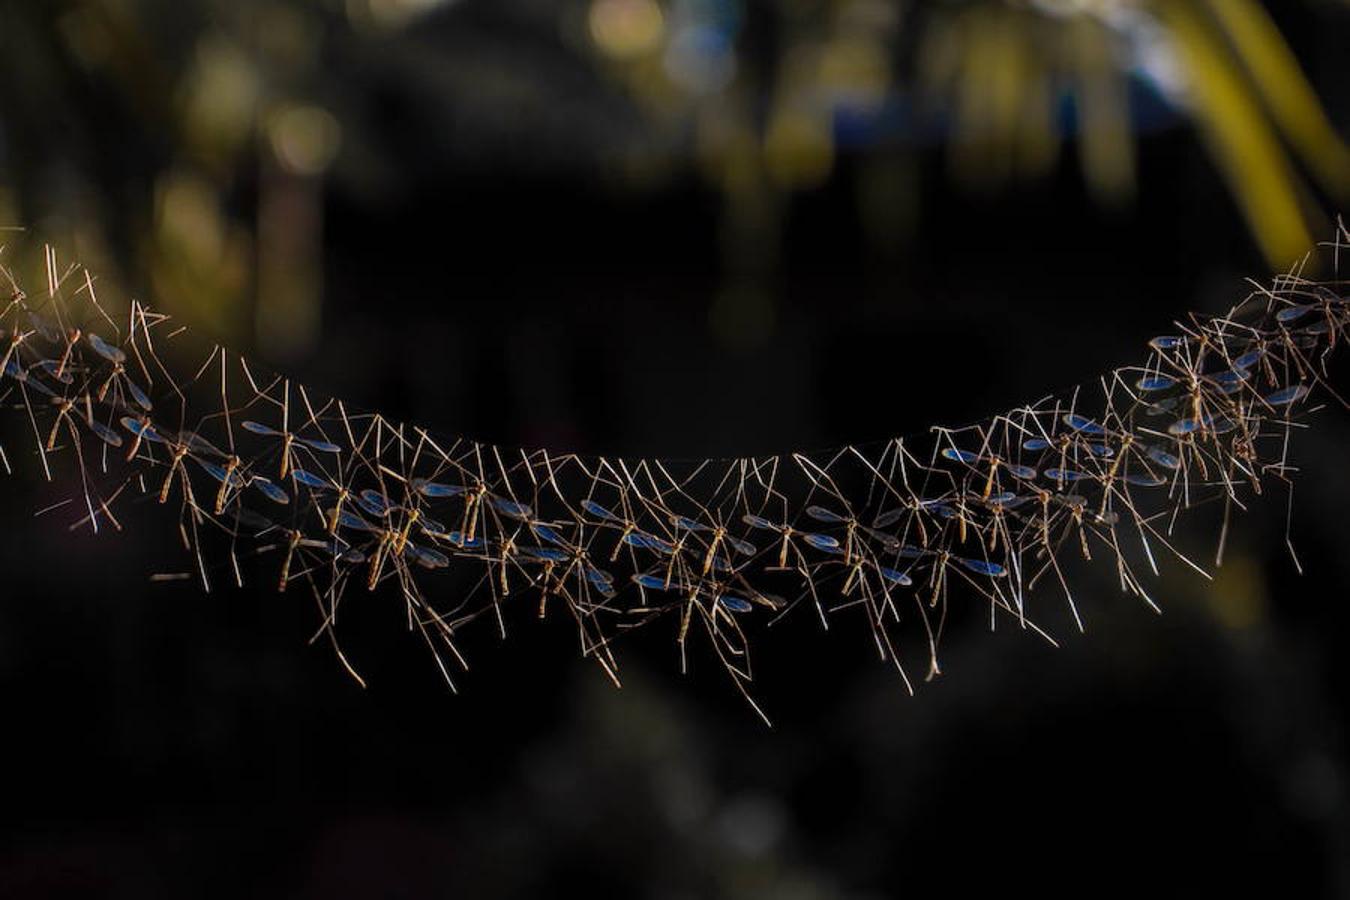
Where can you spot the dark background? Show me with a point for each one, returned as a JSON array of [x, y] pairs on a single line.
[[482, 266]]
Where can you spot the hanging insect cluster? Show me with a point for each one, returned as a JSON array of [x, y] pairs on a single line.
[[894, 532]]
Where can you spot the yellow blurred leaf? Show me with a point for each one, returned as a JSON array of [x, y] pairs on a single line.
[[1105, 141], [1289, 98], [1240, 138]]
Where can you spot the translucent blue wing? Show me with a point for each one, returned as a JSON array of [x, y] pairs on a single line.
[[1155, 383], [221, 474], [601, 580], [436, 490], [895, 576], [1082, 424], [142, 428], [743, 547], [644, 541], [458, 539], [889, 518], [259, 428], [654, 582], [735, 604], [375, 503], [54, 370], [141, 398], [320, 445], [430, 525], [547, 533], [348, 555], [105, 434], [45, 327], [426, 557], [823, 542], [982, 567], [106, 350], [1230, 377], [964, 456], [821, 514], [309, 479], [351, 520], [269, 490], [1294, 313], [599, 511], [1286, 396], [1163, 458], [198, 444], [511, 508], [15, 371], [598, 577], [545, 554]]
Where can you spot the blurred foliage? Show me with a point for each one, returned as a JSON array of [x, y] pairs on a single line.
[[193, 142]]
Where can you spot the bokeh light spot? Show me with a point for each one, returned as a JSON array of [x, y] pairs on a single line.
[[625, 29], [305, 139]]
